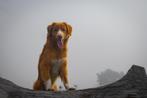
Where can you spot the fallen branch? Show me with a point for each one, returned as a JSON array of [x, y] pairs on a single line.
[[132, 85]]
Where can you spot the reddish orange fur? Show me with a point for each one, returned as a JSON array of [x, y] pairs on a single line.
[[51, 52], [37, 85]]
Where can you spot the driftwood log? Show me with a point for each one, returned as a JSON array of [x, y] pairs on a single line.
[[132, 85]]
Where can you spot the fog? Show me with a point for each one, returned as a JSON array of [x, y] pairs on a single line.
[[106, 34]]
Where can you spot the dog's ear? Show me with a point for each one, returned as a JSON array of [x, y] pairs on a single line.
[[69, 28], [49, 30]]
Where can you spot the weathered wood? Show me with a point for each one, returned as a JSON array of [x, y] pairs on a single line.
[[132, 85]]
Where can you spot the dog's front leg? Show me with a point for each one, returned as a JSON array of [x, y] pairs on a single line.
[[64, 77], [44, 75]]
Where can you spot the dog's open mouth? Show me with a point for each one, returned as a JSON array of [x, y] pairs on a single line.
[[59, 42]]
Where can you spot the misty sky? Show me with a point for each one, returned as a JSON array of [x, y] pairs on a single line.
[[106, 34]]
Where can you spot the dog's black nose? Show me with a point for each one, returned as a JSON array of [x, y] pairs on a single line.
[[59, 37]]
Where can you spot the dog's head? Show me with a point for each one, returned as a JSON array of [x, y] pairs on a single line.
[[59, 32]]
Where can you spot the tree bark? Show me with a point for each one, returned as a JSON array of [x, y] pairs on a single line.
[[132, 85]]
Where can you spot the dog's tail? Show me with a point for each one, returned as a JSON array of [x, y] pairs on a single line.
[[38, 85]]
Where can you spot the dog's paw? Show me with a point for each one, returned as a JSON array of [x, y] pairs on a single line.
[[71, 88], [50, 90]]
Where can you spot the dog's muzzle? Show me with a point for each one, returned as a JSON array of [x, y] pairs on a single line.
[[59, 41]]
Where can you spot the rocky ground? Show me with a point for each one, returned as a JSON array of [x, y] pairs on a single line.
[[132, 85]]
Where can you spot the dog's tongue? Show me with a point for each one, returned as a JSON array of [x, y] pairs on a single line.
[[59, 43]]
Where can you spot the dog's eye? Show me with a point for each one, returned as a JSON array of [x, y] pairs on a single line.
[[63, 29], [55, 30]]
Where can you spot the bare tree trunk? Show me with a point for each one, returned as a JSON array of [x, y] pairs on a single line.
[[132, 85]]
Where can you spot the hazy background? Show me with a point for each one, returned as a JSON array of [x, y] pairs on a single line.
[[106, 34]]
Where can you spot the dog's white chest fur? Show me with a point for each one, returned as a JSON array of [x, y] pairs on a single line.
[[56, 64]]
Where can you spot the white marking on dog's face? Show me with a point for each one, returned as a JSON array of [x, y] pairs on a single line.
[[61, 33], [47, 84]]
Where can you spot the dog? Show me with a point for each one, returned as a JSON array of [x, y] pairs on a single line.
[[53, 59]]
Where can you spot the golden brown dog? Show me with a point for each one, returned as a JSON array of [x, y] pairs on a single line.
[[53, 59]]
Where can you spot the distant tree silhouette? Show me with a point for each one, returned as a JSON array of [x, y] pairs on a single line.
[[108, 76]]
